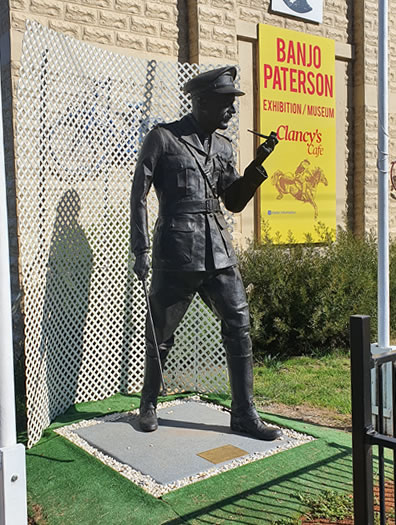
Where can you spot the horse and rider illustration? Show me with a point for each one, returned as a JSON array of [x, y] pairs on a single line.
[[302, 184]]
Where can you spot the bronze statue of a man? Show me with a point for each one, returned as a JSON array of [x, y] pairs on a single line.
[[191, 167]]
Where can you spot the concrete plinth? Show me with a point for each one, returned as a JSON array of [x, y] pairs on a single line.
[[193, 441]]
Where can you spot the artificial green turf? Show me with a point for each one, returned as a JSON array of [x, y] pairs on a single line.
[[266, 491], [73, 488]]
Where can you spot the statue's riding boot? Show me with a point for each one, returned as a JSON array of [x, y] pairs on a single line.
[[244, 417], [151, 388]]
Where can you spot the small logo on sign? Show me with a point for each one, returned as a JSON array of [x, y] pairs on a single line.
[[299, 6]]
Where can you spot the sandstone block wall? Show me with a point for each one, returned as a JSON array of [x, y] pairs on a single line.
[[209, 30], [365, 103], [218, 24], [136, 27]]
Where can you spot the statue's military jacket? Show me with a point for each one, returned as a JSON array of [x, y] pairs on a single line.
[[190, 233]]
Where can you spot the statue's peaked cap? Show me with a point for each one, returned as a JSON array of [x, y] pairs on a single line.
[[220, 80]]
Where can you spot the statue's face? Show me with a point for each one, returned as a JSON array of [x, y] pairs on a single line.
[[217, 110]]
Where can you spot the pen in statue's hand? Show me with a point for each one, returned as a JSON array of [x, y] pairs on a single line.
[[265, 149]]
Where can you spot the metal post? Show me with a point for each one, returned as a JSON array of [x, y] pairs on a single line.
[[13, 508], [383, 173], [363, 499], [380, 427], [394, 429]]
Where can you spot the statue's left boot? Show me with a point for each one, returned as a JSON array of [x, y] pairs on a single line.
[[244, 416]]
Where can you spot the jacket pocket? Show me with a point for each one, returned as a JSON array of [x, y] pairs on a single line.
[[186, 180], [180, 175], [177, 240]]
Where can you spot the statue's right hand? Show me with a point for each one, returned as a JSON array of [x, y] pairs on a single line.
[[265, 149], [142, 266]]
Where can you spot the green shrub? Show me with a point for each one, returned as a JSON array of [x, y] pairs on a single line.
[[301, 296]]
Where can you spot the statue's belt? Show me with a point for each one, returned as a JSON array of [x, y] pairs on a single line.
[[176, 208]]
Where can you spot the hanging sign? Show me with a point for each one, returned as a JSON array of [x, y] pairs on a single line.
[[297, 100], [305, 9]]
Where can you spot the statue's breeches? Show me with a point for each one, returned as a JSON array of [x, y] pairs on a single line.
[[222, 291]]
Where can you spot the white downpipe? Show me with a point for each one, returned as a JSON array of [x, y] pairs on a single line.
[[7, 399], [13, 507], [383, 344], [383, 181]]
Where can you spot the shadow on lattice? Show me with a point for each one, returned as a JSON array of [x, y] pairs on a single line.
[[82, 113]]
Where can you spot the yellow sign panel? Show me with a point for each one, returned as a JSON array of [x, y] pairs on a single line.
[[297, 100]]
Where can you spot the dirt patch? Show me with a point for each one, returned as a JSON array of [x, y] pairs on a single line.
[[318, 416], [36, 516], [312, 521], [389, 510]]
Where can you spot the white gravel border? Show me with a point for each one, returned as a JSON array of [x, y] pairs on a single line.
[[149, 484]]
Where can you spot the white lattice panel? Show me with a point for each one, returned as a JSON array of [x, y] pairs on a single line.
[[82, 113]]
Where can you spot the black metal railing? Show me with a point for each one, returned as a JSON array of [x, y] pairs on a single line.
[[367, 432]]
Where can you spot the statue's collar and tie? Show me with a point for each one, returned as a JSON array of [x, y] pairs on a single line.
[[204, 137], [195, 136]]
